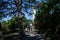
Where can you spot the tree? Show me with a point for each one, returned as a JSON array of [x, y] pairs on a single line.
[[18, 4], [1, 16], [24, 22], [19, 8], [5, 11], [12, 24], [48, 14], [1, 34]]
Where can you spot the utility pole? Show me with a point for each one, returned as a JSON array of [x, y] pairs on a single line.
[[18, 5]]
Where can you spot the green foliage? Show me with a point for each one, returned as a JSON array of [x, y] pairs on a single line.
[[12, 24], [49, 15], [25, 22]]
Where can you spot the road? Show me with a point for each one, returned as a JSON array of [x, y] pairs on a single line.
[[29, 35], [33, 37]]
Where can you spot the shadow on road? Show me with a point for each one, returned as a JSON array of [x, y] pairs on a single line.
[[26, 37]]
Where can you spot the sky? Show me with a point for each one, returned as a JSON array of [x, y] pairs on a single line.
[[27, 16], [30, 10]]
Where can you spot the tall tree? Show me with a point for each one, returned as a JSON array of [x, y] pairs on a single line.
[[18, 4]]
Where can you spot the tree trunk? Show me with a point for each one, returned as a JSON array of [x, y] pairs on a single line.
[[18, 5], [1, 34]]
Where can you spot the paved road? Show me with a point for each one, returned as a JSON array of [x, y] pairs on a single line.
[[31, 38], [36, 37], [31, 35]]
